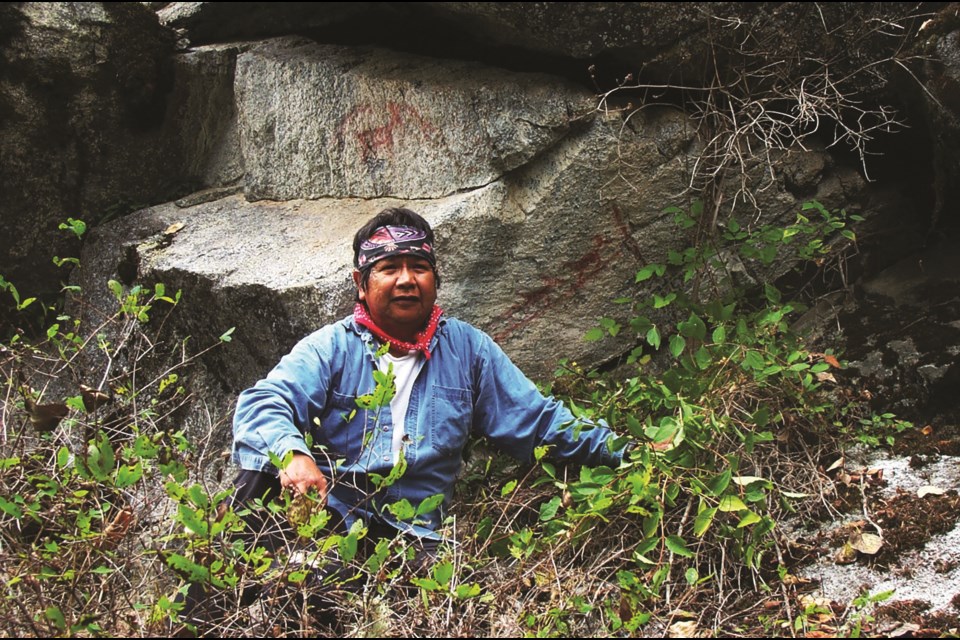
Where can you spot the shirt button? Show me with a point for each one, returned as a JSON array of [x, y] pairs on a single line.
[[386, 458], [386, 429]]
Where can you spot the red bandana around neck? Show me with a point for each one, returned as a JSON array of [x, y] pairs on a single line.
[[362, 316]]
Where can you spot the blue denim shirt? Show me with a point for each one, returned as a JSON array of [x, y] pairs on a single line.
[[468, 385]]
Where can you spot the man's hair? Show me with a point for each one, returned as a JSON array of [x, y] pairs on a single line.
[[391, 217]]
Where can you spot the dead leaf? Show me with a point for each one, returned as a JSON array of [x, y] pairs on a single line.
[[868, 543], [845, 555], [835, 465], [790, 579], [832, 361], [173, 228], [905, 629], [929, 490], [117, 529], [93, 398], [45, 417], [825, 376], [927, 430], [682, 629], [663, 445]]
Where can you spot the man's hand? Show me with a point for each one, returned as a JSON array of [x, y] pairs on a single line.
[[302, 474]]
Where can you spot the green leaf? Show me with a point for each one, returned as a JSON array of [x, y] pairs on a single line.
[[430, 504], [753, 360], [693, 327], [719, 335], [427, 584], [719, 483], [677, 344], [772, 293], [748, 519], [731, 503], [548, 510], [402, 510], [466, 591], [660, 302], [653, 337], [10, 508], [442, 573], [54, 615], [593, 334], [508, 488], [649, 271], [129, 475], [227, 335], [691, 576], [63, 457], [678, 546], [297, 577], [611, 325], [703, 521], [348, 546], [191, 520]]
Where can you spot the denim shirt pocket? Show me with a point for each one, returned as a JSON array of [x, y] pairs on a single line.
[[451, 416], [342, 427]]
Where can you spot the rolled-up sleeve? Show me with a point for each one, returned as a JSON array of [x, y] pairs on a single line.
[[274, 414]]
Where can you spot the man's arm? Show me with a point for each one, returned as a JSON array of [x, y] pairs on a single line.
[[516, 417], [273, 415]]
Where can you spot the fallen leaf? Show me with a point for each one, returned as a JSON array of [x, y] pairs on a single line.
[[928, 490], [835, 465], [905, 629], [868, 543], [173, 228], [832, 361], [790, 579], [825, 376], [927, 430], [682, 629], [812, 602], [845, 555]]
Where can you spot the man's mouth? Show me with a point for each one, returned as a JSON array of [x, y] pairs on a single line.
[[406, 299]]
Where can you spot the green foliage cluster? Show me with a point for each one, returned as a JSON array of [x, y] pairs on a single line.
[[107, 523], [89, 441], [723, 399]]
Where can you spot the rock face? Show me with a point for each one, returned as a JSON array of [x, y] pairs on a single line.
[[82, 90], [323, 121], [533, 258], [98, 118]]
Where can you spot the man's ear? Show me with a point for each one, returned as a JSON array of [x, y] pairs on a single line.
[[358, 281]]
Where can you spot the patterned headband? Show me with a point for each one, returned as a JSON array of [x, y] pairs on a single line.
[[385, 242]]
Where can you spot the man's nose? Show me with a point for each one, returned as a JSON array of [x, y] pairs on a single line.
[[405, 276]]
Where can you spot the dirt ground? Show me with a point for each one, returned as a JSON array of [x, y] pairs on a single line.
[[891, 559]]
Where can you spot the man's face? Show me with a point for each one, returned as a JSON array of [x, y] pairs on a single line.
[[400, 294]]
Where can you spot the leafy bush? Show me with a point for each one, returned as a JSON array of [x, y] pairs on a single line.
[[107, 526], [90, 431]]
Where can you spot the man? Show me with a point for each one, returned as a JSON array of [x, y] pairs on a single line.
[[451, 380]]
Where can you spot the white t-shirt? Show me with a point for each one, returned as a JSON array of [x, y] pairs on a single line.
[[405, 370]]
